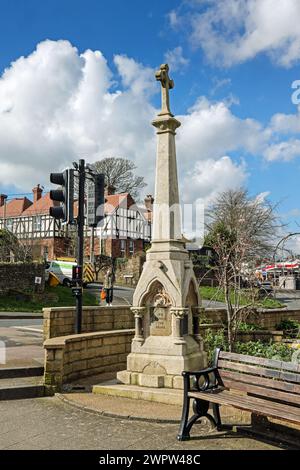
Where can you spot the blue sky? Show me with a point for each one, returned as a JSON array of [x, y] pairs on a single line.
[[233, 62]]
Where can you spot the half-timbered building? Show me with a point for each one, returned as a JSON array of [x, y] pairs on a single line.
[[125, 230]]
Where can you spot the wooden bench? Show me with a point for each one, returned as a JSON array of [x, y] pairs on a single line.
[[265, 387]]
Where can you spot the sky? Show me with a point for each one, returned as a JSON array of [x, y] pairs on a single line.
[[77, 80]]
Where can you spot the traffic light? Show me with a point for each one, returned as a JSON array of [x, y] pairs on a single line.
[[99, 196], [95, 200], [65, 196]]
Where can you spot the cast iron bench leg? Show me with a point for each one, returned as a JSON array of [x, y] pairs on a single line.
[[184, 434], [217, 416]]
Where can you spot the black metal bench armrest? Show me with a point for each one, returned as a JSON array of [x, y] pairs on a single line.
[[208, 382], [209, 370]]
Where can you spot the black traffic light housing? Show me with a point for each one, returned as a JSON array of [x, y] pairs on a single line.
[[95, 200], [65, 195], [99, 196]]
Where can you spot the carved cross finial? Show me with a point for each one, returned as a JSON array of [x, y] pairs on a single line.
[[166, 84]]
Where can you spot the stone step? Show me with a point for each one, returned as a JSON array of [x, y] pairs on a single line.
[[14, 372], [160, 395], [21, 387]]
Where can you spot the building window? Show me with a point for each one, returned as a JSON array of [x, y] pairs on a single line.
[[45, 254], [131, 247], [123, 248], [9, 225], [37, 223]]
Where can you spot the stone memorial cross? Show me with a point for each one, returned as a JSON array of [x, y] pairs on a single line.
[[167, 84]]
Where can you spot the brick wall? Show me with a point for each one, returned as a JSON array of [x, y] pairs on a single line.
[[73, 357], [60, 321], [54, 246], [21, 276]]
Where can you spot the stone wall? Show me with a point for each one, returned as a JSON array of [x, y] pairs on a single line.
[[127, 270], [128, 273], [266, 318], [21, 277], [60, 321], [73, 357]]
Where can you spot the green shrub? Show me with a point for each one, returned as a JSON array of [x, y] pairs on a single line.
[[290, 327], [213, 340], [243, 326], [269, 350]]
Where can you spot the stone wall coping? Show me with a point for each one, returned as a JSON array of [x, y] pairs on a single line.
[[60, 341], [214, 309], [258, 310], [93, 307]]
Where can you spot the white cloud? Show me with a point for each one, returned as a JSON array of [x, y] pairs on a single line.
[[233, 31], [210, 130], [175, 59], [57, 105], [219, 83], [261, 197], [173, 18], [283, 151], [286, 123], [209, 177]]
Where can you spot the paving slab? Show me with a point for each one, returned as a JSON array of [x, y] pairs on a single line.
[[50, 423]]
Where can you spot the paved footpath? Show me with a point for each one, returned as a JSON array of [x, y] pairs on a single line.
[[23, 343], [49, 423]]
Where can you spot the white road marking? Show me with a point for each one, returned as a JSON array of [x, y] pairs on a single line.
[[27, 328]]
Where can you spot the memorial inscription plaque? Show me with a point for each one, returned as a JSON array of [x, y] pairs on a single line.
[[160, 321]]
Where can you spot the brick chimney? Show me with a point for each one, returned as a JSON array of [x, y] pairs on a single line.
[[37, 193], [3, 198], [109, 190], [149, 199]]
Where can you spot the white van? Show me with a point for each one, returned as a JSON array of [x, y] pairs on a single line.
[[62, 270]]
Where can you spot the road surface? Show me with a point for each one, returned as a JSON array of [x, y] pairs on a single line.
[[122, 295], [23, 340]]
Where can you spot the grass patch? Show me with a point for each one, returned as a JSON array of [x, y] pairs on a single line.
[[214, 293], [52, 297]]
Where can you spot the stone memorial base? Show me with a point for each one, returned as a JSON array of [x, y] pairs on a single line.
[[164, 367]]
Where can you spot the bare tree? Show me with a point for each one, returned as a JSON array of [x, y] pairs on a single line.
[[241, 231], [101, 263], [119, 173], [12, 249]]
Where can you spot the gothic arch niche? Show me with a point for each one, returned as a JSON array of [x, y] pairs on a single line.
[[158, 321], [192, 297], [156, 296]]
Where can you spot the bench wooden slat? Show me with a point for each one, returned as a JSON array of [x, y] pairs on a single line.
[[261, 371], [253, 404], [261, 381], [273, 363], [276, 395]]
